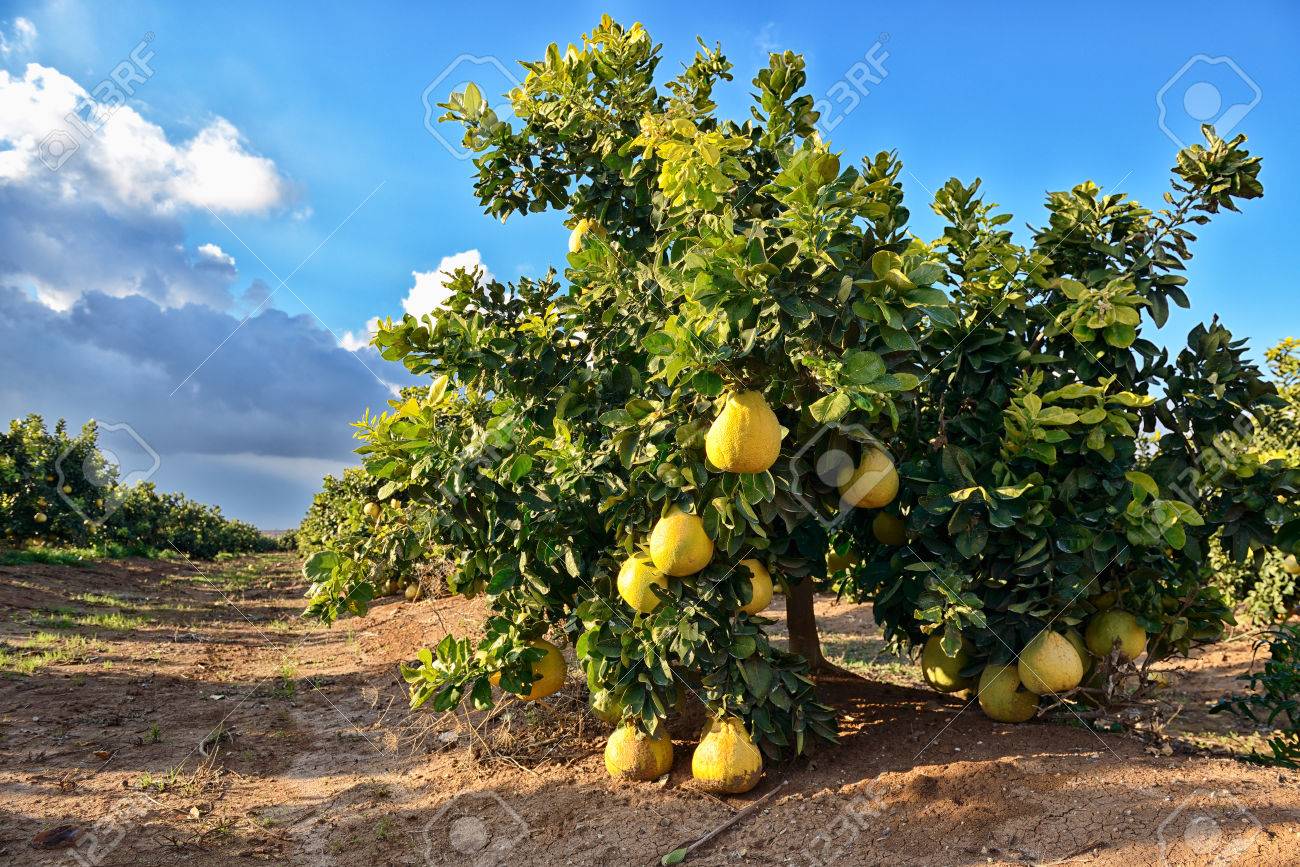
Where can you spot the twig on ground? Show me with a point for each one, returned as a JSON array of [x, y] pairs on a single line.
[[739, 816]]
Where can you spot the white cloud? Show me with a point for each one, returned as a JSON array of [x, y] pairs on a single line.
[[430, 291], [353, 342], [21, 40], [107, 218], [215, 171], [128, 164], [216, 254]]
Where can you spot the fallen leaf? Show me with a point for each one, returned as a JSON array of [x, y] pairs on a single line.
[[60, 837]]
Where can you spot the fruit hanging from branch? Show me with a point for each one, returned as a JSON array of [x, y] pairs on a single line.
[[750, 358]]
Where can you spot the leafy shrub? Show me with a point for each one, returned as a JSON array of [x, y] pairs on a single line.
[[1261, 584], [352, 556], [63, 478], [1011, 385], [1274, 699]]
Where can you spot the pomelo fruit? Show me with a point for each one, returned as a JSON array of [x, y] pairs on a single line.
[[889, 529], [548, 673], [726, 760], [580, 232], [678, 544], [1080, 647], [606, 705], [1002, 697], [1104, 628], [636, 579], [761, 582], [631, 754], [873, 483], [745, 437], [941, 671], [837, 562], [1049, 664]]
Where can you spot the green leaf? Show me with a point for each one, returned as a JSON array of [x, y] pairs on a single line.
[[831, 408], [707, 383], [659, 343], [862, 367], [1143, 481], [519, 466]]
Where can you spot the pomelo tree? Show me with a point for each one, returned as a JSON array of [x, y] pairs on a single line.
[[966, 426]]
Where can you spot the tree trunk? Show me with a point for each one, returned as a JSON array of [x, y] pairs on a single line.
[[801, 622]]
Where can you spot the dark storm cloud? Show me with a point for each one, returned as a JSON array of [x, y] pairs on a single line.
[[278, 386]]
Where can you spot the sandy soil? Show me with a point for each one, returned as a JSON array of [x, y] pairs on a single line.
[[211, 726]]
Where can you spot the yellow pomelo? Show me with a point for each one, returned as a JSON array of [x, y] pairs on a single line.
[[40, 518], [745, 437], [631, 754], [1291, 565], [941, 671], [1102, 601], [1081, 648], [1002, 697], [889, 529], [678, 544], [1104, 628], [606, 705], [726, 760], [1049, 664], [837, 562], [580, 232], [371, 510], [635, 580], [874, 483], [761, 580], [548, 672]]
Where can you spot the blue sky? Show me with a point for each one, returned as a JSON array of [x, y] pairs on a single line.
[[316, 111]]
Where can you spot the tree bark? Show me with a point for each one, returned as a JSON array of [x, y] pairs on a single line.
[[801, 621]]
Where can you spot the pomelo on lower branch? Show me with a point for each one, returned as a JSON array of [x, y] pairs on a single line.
[[1107, 627], [606, 706], [636, 580], [631, 754], [1002, 697], [761, 582], [1081, 648], [941, 671], [745, 437], [873, 483], [548, 672], [678, 544], [1049, 664], [837, 562], [1290, 565], [889, 529], [581, 230], [726, 760]]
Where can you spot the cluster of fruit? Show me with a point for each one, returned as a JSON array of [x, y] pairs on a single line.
[[393, 585], [725, 761], [1051, 664]]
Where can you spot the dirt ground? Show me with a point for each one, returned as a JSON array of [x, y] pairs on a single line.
[[164, 712]]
